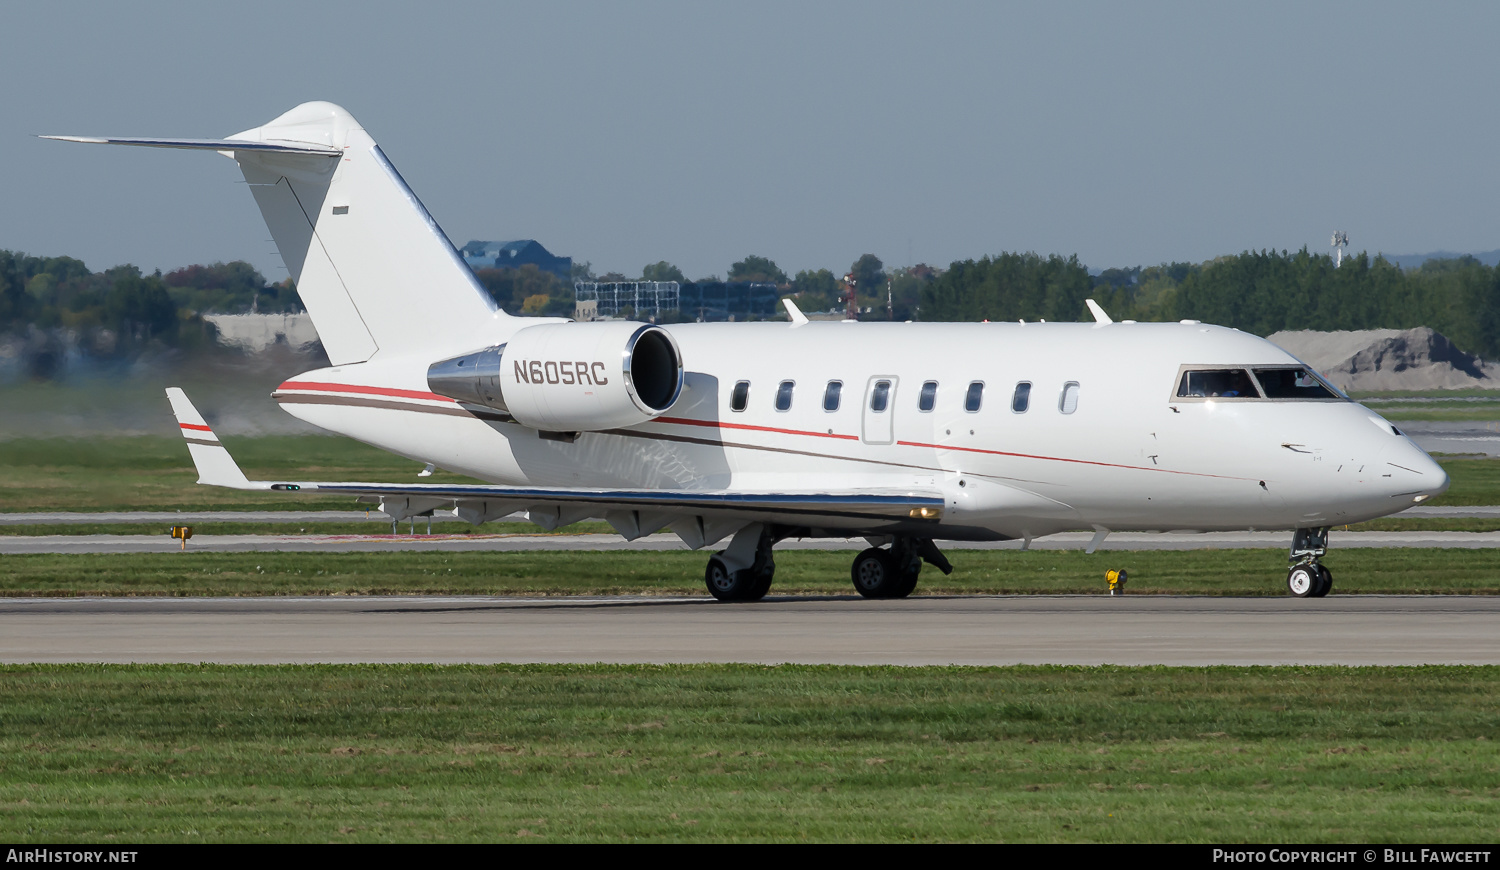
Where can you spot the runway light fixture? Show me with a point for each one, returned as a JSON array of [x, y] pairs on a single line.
[[1116, 580], [182, 533]]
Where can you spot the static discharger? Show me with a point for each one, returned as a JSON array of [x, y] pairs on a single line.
[[1116, 580], [182, 533]]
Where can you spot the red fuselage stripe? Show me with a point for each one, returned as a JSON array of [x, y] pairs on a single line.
[[368, 391]]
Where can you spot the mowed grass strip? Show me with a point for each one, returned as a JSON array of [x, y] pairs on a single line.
[[723, 752], [798, 572], [156, 473]]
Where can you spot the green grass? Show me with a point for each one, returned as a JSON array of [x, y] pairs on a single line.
[[804, 572], [1472, 482], [122, 754], [156, 473]]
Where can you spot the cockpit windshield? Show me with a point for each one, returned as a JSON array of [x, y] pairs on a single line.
[[1273, 382], [1293, 384], [1217, 383]]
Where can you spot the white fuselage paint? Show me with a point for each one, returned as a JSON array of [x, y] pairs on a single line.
[[1130, 457]]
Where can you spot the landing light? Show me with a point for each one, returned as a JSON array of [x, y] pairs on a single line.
[[925, 513], [1419, 499]]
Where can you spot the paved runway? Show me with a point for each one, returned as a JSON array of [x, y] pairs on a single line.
[[1141, 630], [1459, 436], [1121, 541]]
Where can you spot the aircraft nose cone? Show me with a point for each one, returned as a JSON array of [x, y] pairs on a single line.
[[1413, 472]]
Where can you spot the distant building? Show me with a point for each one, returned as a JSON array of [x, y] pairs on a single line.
[[514, 255]]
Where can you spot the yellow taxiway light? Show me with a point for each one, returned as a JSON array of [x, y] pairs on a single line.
[[182, 533]]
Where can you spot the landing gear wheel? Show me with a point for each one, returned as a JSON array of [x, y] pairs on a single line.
[[873, 574], [762, 585], [744, 585], [904, 585], [1304, 581], [1325, 582]]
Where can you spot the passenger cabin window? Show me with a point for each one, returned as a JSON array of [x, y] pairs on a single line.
[[974, 397], [1068, 402], [740, 396], [784, 395], [880, 396], [1022, 399], [831, 395], [1217, 384], [1293, 384], [928, 397]]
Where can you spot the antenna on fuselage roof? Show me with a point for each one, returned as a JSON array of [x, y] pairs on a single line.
[[1098, 312]]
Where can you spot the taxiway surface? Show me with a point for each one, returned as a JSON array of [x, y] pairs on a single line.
[[977, 630]]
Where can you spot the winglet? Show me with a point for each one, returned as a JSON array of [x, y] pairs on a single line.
[[793, 312], [215, 466], [1099, 315]]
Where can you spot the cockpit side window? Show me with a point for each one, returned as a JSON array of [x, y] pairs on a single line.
[[1216, 384], [1293, 383]]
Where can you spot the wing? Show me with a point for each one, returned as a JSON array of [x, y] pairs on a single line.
[[699, 517]]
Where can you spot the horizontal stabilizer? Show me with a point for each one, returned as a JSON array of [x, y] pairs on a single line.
[[206, 144]]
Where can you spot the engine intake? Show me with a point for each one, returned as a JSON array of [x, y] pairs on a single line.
[[569, 377]]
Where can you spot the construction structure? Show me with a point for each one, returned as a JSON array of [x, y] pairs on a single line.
[[1340, 242]]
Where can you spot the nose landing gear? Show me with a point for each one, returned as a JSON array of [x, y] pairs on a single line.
[[1308, 578], [743, 571]]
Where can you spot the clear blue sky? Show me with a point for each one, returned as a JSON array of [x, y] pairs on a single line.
[[625, 133]]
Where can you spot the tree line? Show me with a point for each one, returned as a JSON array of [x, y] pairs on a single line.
[[120, 310]]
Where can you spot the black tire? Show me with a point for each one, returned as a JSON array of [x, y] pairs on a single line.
[[905, 585], [743, 585], [873, 574], [762, 585], [1304, 581], [1325, 582]]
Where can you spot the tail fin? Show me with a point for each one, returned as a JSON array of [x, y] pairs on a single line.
[[375, 271]]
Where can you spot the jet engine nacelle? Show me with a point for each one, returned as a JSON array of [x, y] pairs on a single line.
[[569, 377]]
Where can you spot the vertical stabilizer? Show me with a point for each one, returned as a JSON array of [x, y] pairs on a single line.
[[375, 271]]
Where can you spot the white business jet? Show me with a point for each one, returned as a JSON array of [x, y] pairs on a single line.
[[900, 433]]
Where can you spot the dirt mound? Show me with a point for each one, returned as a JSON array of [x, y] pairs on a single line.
[[1389, 359]]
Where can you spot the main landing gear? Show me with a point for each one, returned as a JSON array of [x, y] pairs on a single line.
[[1308, 578], [743, 571], [892, 573]]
